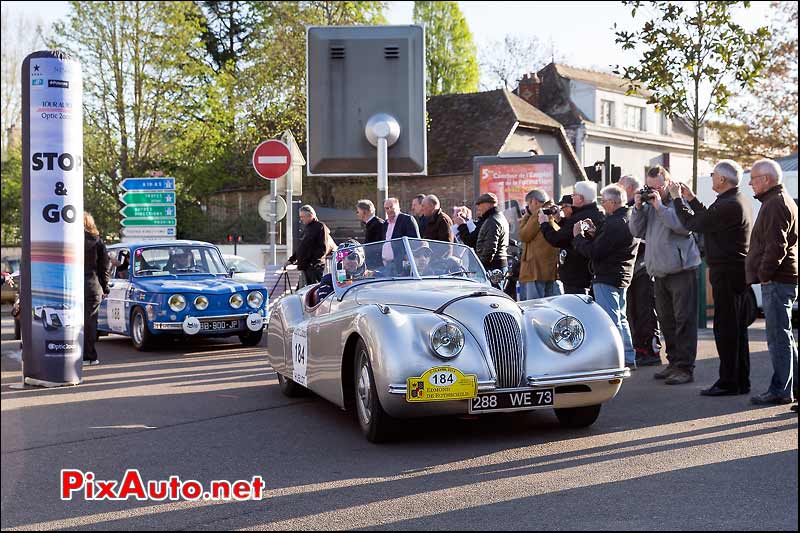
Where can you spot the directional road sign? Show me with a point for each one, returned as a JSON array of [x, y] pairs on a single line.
[[149, 231], [150, 221], [272, 159], [148, 184], [136, 211], [147, 198]]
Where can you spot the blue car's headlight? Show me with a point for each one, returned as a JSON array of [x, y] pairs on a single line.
[[255, 299], [201, 303], [236, 301], [177, 302]]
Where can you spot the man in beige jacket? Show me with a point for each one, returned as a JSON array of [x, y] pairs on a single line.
[[539, 264]]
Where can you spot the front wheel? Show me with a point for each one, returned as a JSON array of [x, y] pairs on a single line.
[[375, 423], [140, 334], [251, 338], [578, 417]]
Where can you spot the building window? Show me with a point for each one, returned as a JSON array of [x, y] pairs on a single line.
[[607, 113], [634, 118], [666, 124]]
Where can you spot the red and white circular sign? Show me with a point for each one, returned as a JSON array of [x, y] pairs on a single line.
[[272, 159]]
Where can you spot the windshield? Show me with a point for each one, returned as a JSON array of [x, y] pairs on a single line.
[[391, 259], [177, 260], [240, 265]]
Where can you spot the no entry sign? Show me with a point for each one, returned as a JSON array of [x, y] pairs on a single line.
[[272, 159]]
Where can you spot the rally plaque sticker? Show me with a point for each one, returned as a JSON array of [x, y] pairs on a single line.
[[299, 354], [441, 383]]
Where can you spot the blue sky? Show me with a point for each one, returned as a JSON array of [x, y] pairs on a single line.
[[580, 31]]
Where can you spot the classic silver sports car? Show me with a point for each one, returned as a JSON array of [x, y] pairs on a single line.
[[411, 328]]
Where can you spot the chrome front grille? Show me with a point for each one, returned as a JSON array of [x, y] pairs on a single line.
[[505, 347]]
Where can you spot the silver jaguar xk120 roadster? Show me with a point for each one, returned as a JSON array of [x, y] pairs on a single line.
[[412, 328]]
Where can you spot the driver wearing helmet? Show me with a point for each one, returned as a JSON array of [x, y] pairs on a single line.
[[351, 255], [181, 261]]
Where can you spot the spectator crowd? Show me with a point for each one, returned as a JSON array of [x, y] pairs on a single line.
[[635, 248]]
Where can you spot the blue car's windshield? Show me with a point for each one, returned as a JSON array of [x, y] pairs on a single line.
[[177, 260]]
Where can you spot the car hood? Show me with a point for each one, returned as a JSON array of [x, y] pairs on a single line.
[[206, 286], [425, 294]]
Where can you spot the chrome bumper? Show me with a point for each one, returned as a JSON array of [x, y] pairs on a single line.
[[579, 377], [173, 326], [544, 381]]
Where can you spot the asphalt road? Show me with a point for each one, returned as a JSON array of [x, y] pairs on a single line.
[[658, 457]]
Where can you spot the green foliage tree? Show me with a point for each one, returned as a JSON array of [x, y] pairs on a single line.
[[693, 59], [763, 122], [11, 198], [450, 55], [147, 101]]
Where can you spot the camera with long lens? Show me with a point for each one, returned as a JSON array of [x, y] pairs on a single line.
[[647, 193], [551, 210]]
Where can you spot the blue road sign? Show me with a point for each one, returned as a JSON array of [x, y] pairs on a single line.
[[148, 184]]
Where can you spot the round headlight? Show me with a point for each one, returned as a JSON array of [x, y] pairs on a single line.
[[177, 302], [236, 301], [255, 299], [447, 340], [568, 333], [201, 303]]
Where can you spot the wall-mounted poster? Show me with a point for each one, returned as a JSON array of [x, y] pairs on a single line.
[[51, 298], [510, 178]]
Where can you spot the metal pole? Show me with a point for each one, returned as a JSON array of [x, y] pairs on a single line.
[[607, 165], [289, 210], [383, 174], [271, 225]]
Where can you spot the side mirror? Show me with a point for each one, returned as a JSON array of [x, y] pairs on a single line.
[[231, 272], [495, 276]]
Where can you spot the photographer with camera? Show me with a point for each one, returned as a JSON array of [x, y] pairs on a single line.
[[672, 258], [573, 268], [641, 297], [612, 251], [725, 224], [539, 262]]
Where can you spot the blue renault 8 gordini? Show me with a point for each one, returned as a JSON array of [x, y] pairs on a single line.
[[179, 288]]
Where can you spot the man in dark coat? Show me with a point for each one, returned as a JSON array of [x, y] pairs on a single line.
[[573, 268], [374, 231], [772, 262], [725, 226], [490, 236], [611, 250], [438, 227], [416, 210], [373, 225], [312, 249]]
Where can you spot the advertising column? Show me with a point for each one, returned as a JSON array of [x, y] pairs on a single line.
[[51, 296]]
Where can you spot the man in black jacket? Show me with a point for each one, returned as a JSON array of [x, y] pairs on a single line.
[[374, 230], [312, 249], [573, 268], [373, 225], [725, 224], [611, 250], [490, 236]]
